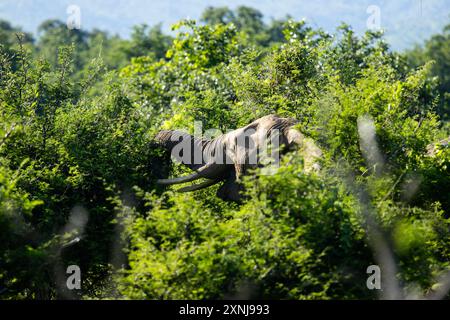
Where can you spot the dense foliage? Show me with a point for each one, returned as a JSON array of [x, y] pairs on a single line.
[[78, 164]]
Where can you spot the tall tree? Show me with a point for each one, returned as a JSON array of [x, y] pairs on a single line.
[[437, 48]]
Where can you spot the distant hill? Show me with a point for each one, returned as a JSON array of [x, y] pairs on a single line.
[[406, 21]]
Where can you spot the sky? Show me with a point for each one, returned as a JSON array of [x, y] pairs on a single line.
[[405, 22]]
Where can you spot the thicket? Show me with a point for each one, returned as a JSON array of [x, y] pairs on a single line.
[[78, 164]]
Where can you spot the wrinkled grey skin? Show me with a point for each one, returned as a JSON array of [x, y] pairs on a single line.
[[226, 158]]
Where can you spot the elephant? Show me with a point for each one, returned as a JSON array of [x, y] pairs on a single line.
[[229, 156]]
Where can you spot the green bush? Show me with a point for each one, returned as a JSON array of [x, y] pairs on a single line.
[[78, 165]]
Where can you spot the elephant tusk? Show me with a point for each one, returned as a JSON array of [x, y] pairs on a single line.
[[199, 186], [203, 172]]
